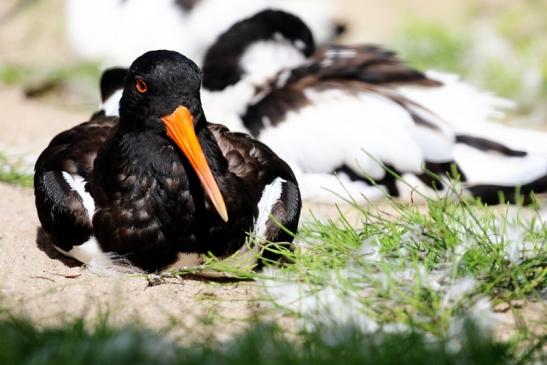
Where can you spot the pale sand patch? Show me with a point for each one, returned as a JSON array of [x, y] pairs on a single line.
[[36, 35], [531, 315]]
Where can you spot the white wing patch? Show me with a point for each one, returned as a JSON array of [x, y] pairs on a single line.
[[338, 129], [469, 110], [457, 102], [111, 106], [270, 196], [327, 188], [482, 167], [227, 105], [77, 183], [262, 60]]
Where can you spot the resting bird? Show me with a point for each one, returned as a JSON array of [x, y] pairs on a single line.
[[161, 186], [342, 109], [340, 114], [117, 31]]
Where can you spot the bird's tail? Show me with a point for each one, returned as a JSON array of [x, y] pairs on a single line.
[[496, 172], [495, 159]]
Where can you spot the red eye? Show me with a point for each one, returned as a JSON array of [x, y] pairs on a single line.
[[141, 87]]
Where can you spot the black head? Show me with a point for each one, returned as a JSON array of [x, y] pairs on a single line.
[[161, 95], [157, 83], [221, 64]]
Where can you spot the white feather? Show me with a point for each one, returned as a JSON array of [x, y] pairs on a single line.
[[263, 59], [226, 106], [327, 188], [475, 112], [337, 127], [260, 62], [493, 168], [412, 189], [119, 31], [270, 195], [98, 261], [77, 183], [457, 102], [111, 106], [89, 252]]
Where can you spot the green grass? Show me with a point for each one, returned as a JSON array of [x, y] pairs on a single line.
[[421, 269], [406, 266], [426, 45], [26, 75], [73, 344], [403, 285], [12, 174]]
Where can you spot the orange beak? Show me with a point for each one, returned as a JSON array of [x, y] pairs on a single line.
[[180, 128]]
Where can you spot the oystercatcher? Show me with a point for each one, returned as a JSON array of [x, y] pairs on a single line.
[[161, 184]]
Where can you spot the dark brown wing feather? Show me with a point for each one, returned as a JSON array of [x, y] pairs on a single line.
[[252, 161], [60, 209], [257, 166], [74, 150], [367, 63]]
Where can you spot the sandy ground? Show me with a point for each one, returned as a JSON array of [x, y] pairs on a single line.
[[27, 126]]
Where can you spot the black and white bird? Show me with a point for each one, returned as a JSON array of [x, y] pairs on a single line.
[[337, 114], [341, 109], [117, 31], [160, 187]]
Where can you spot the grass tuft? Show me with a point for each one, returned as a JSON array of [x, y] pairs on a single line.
[[408, 266]]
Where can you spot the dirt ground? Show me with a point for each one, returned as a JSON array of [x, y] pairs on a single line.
[[38, 282]]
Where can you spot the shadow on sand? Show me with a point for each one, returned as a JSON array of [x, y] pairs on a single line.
[[44, 244]]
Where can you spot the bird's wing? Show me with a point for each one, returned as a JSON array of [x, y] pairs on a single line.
[[248, 158], [74, 150], [268, 179], [368, 63]]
